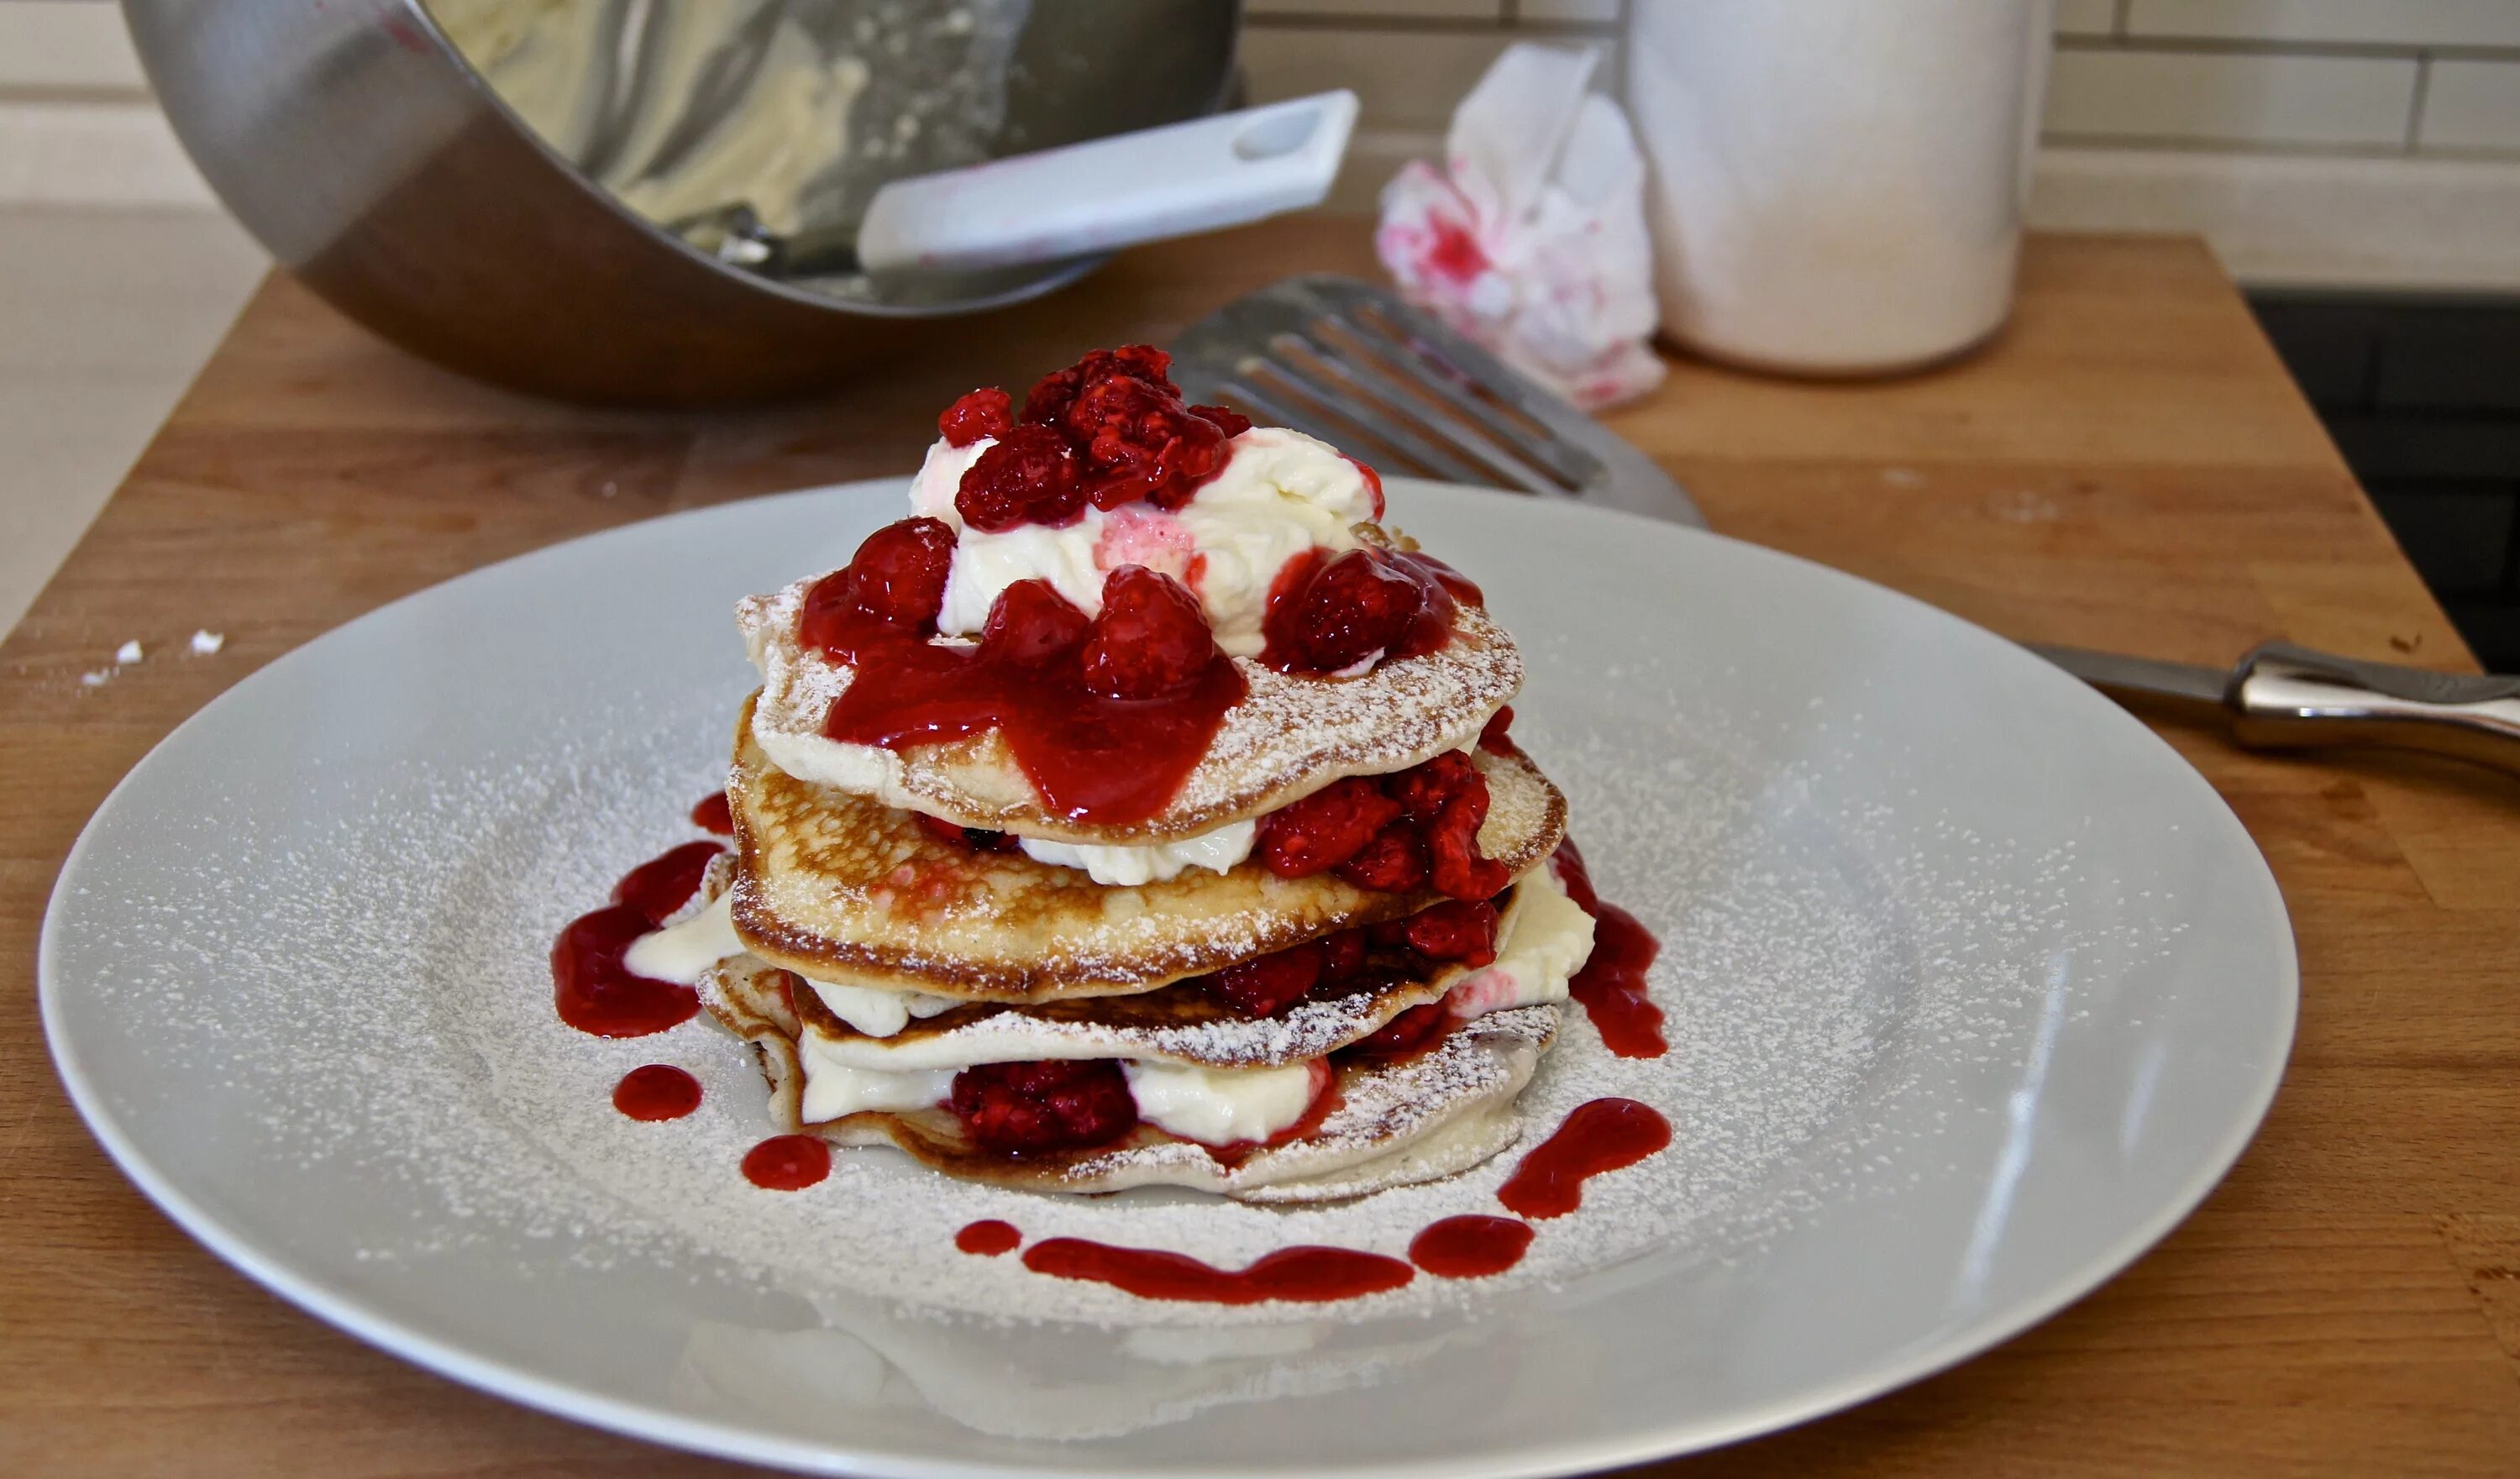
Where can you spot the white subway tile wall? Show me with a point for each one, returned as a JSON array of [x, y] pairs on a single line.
[[2472, 105], [2230, 98]]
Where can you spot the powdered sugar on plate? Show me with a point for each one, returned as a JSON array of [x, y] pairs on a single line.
[[1808, 970]]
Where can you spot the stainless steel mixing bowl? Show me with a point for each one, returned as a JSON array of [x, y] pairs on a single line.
[[356, 142]]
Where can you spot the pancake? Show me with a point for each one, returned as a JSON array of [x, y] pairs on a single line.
[[1398, 1122], [1180, 1023], [1289, 737], [840, 887]]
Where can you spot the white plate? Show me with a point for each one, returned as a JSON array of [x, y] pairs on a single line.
[[1975, 988]]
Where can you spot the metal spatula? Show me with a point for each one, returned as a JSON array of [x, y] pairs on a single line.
[[1352, 364]]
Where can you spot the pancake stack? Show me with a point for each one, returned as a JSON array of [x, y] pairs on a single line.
[[1226, 875]]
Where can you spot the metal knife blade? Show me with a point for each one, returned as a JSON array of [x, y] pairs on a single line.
[[2117, 673]]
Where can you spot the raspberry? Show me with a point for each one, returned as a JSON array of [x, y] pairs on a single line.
[[985, 412], [1395, 861], [1492, 737], [1151, 638], [1342, 955], [1454, 842], [1268, 984], [1423, 791], [1141, 442], [1233, 423], [896, 579], [1056, 391], [1347, 609], [1462, 933], [1325, 830], [1030, 475], [1020, 1108], [1031, 625], [1406, 1033]]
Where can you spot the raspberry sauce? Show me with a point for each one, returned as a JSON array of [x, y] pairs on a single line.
[[713, 815], [656, 1091], [1611, 986], [662, 884], [988, 1238], [1306, 1274], [788, 1163], [1092, 757], [595, 992], [1471, 1246], [1601, 1136]]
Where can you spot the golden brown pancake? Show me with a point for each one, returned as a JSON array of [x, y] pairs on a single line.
[[1397, 1121], [844, 888], [1289, 737]]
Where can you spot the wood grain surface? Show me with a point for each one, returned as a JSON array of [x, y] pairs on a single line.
[[2127, 467]]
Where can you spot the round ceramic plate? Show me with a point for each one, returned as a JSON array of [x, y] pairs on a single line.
[[1974, 989]]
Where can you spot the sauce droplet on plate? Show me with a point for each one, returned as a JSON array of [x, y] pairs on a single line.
[[714, 815], [1599, 1135], [1611, 986], [1308, 1275], [656, 1091], [666, 882], [1471, 1246], [787, 1162], [988, 1238], [596, 992]]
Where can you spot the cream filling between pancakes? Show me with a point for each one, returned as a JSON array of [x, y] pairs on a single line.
[[1548, 941]]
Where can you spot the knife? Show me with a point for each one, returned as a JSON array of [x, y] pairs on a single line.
[[2283, 697]]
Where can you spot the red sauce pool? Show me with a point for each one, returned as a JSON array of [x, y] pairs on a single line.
[[1601, 1136], [787, 1162], [1471, 1246], [595, 992], [988, 1238], [656, 1091], [1611, 986], [713, 814], [662, 884], [1307, 1275], [1093, 758]]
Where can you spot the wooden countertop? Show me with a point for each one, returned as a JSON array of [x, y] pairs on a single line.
[[2127, 467]]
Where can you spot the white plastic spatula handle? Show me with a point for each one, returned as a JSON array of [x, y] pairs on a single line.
[[1138, 187]]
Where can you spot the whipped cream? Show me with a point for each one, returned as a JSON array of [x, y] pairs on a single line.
[[684, 952], [1279, 494], [1216, 851], [1218, 1107], [833, 1090], [1551, 940], [877, 1013]]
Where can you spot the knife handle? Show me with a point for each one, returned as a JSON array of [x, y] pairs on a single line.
[[2286, 696]]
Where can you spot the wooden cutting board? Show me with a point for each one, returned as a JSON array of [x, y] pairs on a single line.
[[2127, 466]]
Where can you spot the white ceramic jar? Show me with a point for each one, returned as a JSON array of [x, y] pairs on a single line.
[[1836, 186]]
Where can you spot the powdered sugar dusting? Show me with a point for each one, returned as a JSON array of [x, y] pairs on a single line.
[[1819, 962]]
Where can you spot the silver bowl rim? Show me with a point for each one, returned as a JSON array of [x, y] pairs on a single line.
[[1054, 276]]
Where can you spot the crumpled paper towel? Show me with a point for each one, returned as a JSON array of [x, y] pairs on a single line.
[[1532, 238]]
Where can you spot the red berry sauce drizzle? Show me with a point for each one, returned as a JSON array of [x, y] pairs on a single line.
[[656, 1091], [593, 989], [713, 814], [1602, 1134], [1471, 1246], [988, 1238], [1305, 1274], [788, 1163], [1611, 986]]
